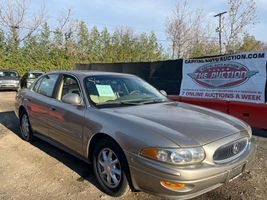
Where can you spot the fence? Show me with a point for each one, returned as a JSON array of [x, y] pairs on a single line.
[[164, 75]]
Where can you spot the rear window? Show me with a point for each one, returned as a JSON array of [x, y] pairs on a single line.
[[34, 75], [8, 74]]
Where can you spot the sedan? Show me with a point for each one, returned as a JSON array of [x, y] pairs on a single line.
[[29, 77], [133, 135], [9, 80]]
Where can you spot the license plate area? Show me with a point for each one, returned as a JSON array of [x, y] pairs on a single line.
[[236, 172]]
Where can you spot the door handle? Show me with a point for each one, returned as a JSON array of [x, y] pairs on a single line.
[[52, 108], [27, 99]]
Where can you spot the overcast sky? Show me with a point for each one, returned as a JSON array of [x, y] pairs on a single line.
[[142, 15]]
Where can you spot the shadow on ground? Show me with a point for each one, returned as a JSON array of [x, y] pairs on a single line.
[[10, 121], [85, 171], [259, 132]]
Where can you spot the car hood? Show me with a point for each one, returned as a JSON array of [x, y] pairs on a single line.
[[186, 122]]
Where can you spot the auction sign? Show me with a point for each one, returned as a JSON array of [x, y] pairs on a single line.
[[238, 77]]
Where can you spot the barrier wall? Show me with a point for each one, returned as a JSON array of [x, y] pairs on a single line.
[[208, 103], [252, 113]]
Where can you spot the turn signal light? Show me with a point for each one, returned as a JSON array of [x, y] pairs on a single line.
[[173, 186], [150, 153]]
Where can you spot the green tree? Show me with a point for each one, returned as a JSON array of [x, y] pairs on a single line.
[[106, 48], [83, 42], [95, 45], [44, 38], [2, 40], [116, 46], [62, 47], [154, 48], [250, 43]]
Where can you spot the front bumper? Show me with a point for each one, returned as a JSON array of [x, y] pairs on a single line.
[[147, 174], [10, 86]]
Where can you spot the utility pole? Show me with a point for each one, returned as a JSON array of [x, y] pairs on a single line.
[[219, 29]]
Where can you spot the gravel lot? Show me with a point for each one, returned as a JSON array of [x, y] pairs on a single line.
[[41, 171]]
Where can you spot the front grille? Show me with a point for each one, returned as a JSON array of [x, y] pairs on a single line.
[[9, 82], [230, 151]]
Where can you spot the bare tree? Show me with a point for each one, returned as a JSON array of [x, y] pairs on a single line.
[[184, 29], [177, 29], [241, 15], [64, 20], [15, 19], [65, 31]]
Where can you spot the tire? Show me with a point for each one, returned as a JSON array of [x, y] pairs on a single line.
[[110, 166], [25, 126]]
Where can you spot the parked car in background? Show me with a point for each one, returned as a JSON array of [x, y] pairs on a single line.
[[29, 77], [133, 135], [9, 80]]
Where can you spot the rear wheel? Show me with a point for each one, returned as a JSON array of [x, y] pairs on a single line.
[[110, 168], [25, 127]]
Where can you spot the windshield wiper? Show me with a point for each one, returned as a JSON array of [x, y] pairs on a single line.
[[118, 103], [132, 103], [128, 103], [150, 101]]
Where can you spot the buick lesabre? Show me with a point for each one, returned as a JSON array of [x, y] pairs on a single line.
[[133, 135]]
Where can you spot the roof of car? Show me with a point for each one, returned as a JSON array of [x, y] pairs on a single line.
[[35, 71], [8, 70], [84, 73]]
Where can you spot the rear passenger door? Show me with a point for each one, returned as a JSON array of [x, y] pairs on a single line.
[[39, 102], [66, 121]]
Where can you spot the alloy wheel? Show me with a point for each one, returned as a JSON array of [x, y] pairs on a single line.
[[25, 126], [109, 168]]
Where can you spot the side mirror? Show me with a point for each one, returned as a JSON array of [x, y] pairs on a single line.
[[73, 99], [163, 92]]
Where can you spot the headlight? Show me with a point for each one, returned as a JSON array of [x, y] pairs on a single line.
[[183, 156], [1, 81]]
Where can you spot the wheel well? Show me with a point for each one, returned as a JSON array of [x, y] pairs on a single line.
[[99, 136], [21, 109]]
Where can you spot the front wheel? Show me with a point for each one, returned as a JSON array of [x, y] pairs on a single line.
[[110, 168]]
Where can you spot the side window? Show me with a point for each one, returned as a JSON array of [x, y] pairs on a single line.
[[68, 85], [47, 85]]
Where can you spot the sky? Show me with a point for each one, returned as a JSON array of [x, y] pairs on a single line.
[[142, 15]]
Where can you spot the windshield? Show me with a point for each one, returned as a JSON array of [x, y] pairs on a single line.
[[8, 74], [120, 90], [34, 75]]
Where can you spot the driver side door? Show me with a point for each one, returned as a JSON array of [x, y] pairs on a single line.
[[66, 121]]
